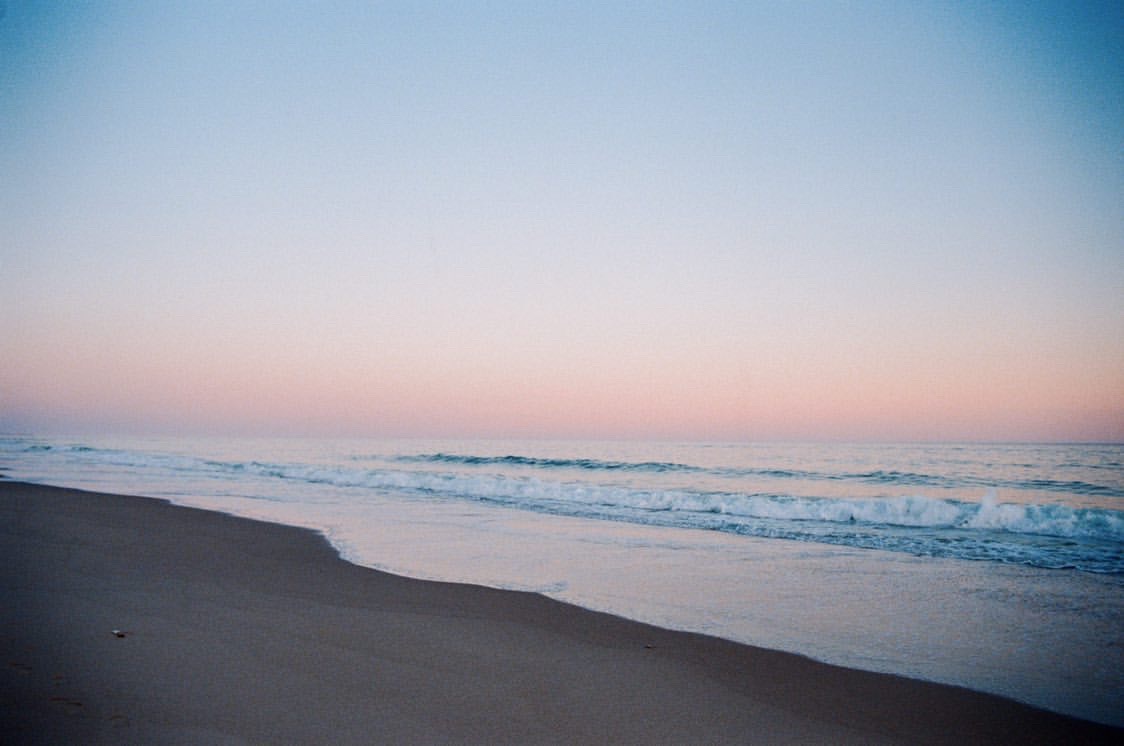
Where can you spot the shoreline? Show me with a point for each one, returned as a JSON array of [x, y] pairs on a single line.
[[237, 630]]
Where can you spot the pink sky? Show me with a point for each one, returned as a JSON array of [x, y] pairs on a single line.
[[697, 221]]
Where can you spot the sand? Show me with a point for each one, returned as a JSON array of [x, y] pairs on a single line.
[[237, 631]]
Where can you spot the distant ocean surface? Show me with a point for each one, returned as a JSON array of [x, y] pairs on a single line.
[[999, 567]]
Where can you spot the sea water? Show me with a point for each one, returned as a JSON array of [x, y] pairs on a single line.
[[997, 567]]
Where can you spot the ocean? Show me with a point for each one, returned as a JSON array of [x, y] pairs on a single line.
[[999, 567]]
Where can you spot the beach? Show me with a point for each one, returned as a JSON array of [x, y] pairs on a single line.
[[130, 620]]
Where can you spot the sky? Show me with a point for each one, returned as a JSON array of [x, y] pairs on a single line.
[[695, 220]]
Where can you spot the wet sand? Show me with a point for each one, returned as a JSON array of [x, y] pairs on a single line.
[[237, 631]]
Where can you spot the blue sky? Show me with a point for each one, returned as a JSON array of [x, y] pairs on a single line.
[[730, 220]]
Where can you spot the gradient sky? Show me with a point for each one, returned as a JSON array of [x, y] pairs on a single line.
[[685, 220]]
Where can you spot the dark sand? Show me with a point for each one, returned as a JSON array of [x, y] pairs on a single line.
[[237, 631]]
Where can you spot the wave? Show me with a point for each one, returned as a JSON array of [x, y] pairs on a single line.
[[885, 477], [901, 511], [1040, 534], [880, 476], [549, 463], [913, 511], [1043, 535]]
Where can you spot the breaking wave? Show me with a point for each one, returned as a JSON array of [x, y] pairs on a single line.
[[980, 526]]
